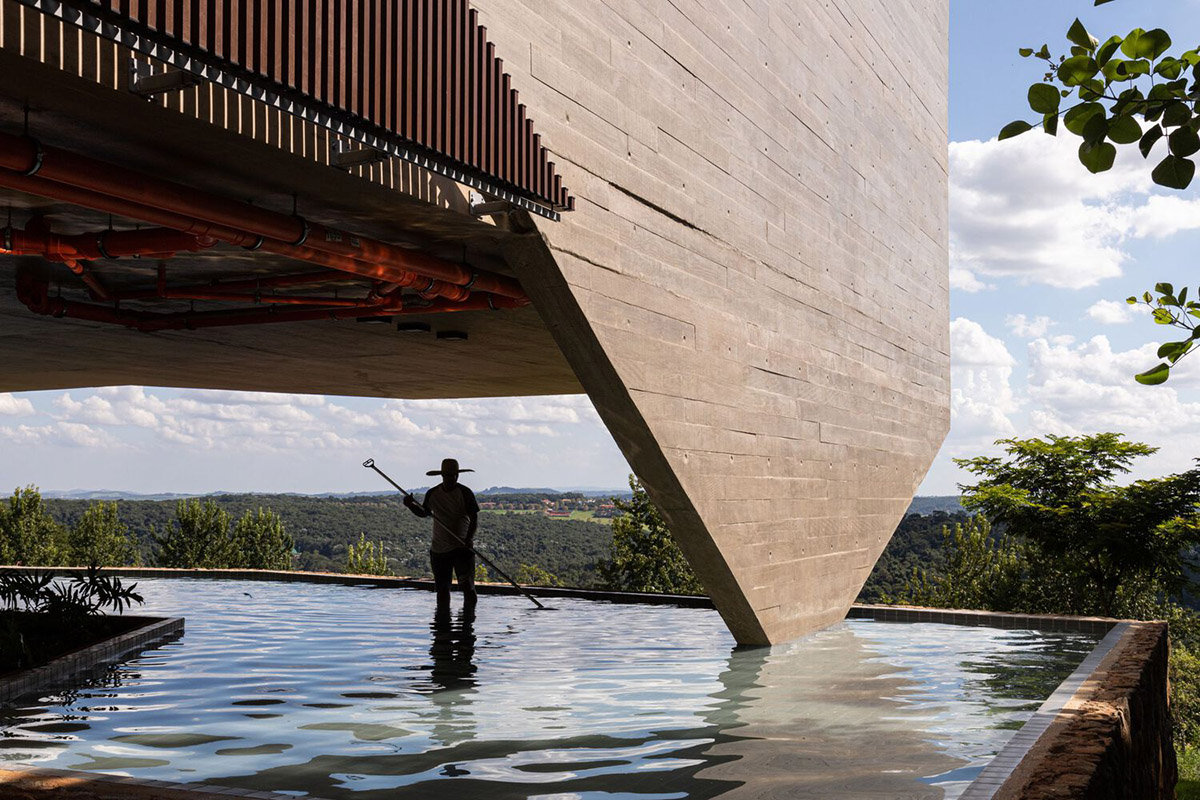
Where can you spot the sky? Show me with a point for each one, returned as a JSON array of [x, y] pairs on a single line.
[[1042, 255]]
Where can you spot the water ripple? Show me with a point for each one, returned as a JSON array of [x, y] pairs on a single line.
[[356, 692]]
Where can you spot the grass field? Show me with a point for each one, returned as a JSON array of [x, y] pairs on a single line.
[[586, 516]]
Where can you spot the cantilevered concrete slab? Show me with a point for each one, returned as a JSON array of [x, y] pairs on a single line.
[[752, 287]]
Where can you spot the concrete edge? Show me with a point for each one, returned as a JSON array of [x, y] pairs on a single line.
[[67, 667], [1002, 766], [990, 619], [380, 581]]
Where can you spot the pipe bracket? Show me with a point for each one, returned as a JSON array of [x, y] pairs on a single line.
[[100, 246], [304, 236], [39, 156]]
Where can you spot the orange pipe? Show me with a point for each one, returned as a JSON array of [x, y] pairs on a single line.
[[36, 296], [101, 202], [105, 244], [23, 155]]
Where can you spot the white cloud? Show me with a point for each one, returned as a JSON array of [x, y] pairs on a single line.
[[63, 434], [14, 406], [1165, 215], [263, 422], [1028, 328], [1089, 387], [1110, 312], [981, 397], [971, 345], [1026, 209], [965, 281]]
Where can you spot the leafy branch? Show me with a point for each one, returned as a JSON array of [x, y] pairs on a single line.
[[1129, 90], [1178, 312]]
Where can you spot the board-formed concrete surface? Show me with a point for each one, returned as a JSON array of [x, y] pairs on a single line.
[[752, 290]]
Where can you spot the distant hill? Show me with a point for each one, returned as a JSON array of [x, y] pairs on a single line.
[[928, 504]]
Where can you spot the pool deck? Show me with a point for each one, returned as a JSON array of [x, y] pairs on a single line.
[[1050, 736]]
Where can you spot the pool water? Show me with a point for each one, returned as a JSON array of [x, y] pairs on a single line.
[[357, 692]]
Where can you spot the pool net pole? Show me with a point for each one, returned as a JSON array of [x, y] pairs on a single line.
[[370, 463]]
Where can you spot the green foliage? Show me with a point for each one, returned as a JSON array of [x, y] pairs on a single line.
[[533, 575], [28, 535], [1176, 311], [363, 559], [260, 541], [1112, 546], [481, 574], [570, 549], [980, 571], [33, 608], [1109, 98], [198, 539], [100, 539], [1185, 695], [645, 557], [1189, 773], [918, 543]]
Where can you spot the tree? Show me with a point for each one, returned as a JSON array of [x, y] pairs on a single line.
[[1110, 98], [1114, 547], [645, 557], [198, 539], [362, 560], [260, 541], [981, 571], [28, 535], [100, 539], [533, 575]]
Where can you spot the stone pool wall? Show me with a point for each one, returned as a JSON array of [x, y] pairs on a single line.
[[1113, 739]]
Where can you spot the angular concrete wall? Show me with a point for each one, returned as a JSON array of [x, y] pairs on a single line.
[[753, 289]]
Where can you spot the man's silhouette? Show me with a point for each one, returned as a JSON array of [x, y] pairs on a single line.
[[455, 515]]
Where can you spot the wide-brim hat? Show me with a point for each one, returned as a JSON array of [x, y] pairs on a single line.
[[448, 465]]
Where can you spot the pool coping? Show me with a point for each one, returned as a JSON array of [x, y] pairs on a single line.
[[983, 787], [153, 631], [1004, 764]]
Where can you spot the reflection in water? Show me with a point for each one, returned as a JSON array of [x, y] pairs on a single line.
[[452, 676], [820, 718], [351, 692]]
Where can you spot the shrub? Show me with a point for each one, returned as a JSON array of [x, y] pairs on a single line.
[[533, 575], [362, 560], [99, 539], [28, 535], [199, 539], [645, 557], [261, 542]]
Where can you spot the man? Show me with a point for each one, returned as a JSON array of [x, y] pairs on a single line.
[[455, 519]]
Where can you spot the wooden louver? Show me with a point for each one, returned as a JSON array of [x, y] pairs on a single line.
[[415, 78]]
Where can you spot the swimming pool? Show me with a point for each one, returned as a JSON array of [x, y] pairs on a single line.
[[356, 692]]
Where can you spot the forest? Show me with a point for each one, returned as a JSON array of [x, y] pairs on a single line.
[[322, 528]]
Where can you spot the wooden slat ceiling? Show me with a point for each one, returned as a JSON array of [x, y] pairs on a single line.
[[416, 79]]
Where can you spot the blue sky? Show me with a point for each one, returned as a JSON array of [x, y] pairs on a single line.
[[1042, 255]]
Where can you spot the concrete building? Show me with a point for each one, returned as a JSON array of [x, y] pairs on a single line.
[[725, 222]]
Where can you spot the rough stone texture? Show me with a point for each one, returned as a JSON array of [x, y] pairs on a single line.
[[753, 289], [1113, 740]]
